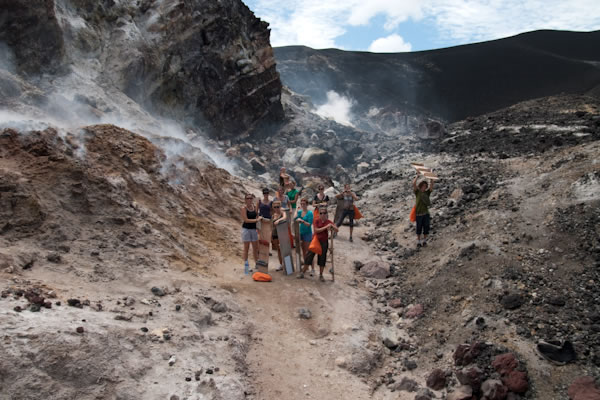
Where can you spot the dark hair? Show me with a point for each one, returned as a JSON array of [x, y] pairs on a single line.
[[423, 183], [266, 190]]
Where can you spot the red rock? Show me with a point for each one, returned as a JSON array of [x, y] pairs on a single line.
[[584, 388], [414, 311], [79, 329], [395, 303], [436, 380], [516, 381], [505, 363], [466, 353], [470, 377]]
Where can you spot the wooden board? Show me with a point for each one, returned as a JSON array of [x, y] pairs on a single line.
[[283, 233], [264, 245], [423, 170], [338, 210], [297, 244], [331, 250]]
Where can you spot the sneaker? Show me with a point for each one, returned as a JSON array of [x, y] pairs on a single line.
[[331, 270], [351, 238], [424, 244], [321, 278], [556, 352], [279, 268], [312, 272], [419, 245], [300, 276]]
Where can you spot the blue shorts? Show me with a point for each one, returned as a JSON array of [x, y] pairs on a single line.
[[249, 235], [307, 237]]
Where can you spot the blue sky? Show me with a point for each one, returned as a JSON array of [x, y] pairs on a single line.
[[413, 25]]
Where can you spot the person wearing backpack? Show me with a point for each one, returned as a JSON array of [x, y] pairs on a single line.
[[422, 192]]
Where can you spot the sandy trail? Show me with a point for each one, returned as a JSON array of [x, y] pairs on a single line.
[[293, 357]]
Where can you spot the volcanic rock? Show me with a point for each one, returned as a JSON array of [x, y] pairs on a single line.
[[516, 381], [424, 394], [465, 354], [414, 311], [470, 377], [304, 313], [461, 393], [375, 269], [584, 388], [436, 379], [315, 157], [505, 363], [493, 389], [390, 337], [512, 301]]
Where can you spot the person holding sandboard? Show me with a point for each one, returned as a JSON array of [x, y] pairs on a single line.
[[277, 216], [305, 219], [422, 192], [348, 197], [322, 226]]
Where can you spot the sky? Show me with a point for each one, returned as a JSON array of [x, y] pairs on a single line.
[[387, 26]]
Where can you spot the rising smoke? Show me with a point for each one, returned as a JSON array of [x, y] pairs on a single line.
[[338, 108]]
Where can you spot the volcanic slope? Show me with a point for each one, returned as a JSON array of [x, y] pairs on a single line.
[[451, 83], [514, 253]]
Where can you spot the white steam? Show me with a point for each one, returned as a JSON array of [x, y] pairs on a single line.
[[338, 108]]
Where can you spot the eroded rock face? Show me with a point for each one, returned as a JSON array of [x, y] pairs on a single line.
[[204, 61]]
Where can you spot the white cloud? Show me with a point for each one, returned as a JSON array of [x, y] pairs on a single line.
[[390, 44], [318, 23], [337, 108]]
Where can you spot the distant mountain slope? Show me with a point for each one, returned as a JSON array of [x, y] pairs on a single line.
[[450, 83]]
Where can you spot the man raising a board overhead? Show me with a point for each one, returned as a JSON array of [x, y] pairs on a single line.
[[422, 192]]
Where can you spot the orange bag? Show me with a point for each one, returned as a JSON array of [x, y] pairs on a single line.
[[261, 277], [413, 214], [315, 245], [316, 214], [357, 214]]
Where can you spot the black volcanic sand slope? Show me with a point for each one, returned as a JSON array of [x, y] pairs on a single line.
[[450, 83]]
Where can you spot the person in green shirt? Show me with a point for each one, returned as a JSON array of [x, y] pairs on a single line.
[[422, 192], [293, 194]]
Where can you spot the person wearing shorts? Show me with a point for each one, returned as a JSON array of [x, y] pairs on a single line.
[[250, 217], [422, 192], [277, 216], [305, 218], [348, 209], [322, 227]]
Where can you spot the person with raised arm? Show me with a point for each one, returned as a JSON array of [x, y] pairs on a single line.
[[422, 192], [322, 227]]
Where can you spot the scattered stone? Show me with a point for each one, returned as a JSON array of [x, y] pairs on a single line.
[[357, 265], [172, 361], [516, 381], [341, 362], [407, 385], [505, 363], [75, 303], [188, 379], [54, 258], [47, 304], [493, 389], [470, 376], [461, 393], [584, 388], [123, 317], [424, 394], [304, 313], [129, 301], [18, 309], [410, 364], [396, 303], [219, 307], [35, 308], [177, 307], [436, 379], [144, 329], [512, 301], [79, 329], [389, 337], [466, 353], [414, 311], [198, 374], [375, 270], [558, 301], [158, 291]]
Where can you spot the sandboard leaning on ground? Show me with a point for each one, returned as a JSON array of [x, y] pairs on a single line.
[[339, 209], [264, 244], [285, 246], [297, 244], [332, 270]]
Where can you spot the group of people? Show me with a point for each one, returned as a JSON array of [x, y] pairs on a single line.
[[286, 199]]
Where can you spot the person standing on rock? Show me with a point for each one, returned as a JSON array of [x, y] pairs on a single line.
[[284, 178], [278, 215], [422, 192], [349, 198], [305, 218], [249, 232], [322, 226]]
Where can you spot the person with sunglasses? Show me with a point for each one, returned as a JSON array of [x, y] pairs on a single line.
[[264, 205], [249, 233], [322, 226], [305, 218], [277, 216], [320, 197]]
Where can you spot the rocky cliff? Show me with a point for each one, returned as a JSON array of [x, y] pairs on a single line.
[[208, 63]]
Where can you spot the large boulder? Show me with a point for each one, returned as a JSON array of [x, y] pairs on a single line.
[[584, 388], [315, 158], [292, 156], [376, 270]]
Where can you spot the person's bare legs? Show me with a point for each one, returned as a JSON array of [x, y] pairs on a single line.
[[255, 250], [245, 253]]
